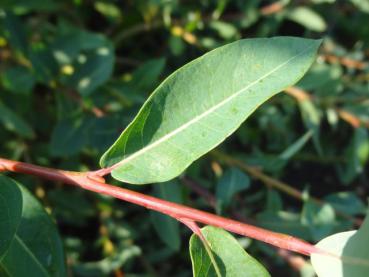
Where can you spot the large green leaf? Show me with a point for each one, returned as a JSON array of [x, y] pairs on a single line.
[[30, 244], [229, 257], [202, 103], [352, 249]]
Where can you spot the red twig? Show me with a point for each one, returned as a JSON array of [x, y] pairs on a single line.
[[92, 182]]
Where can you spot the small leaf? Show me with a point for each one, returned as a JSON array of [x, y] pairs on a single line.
[[30, 244], [29, 6], [95, 71], [233, 181], [358, 154], [296, 146], [108, 265], [166, 227], [274, 201], [18, 79], [362, 5], [146, 76], [201, 104], [312, 119], [69, 136], [352, 249], [109, 10], [346, 202], [90, 57], [284, 222], [230, 258], [224, 29], [307, 18]]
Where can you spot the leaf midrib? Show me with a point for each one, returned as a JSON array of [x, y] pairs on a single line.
[[204, 114], [27, 250]]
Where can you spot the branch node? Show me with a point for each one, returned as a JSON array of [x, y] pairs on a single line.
[[95, 177], [192, 225]]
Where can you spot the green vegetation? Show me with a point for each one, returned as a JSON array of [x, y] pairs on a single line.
[[74, 76]]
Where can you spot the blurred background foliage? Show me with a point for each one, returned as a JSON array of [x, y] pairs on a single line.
[[74, 73]]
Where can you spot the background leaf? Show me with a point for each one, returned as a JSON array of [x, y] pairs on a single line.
[[233, 181], [319, 219], [14, 123], [201, 104], [166, 227], [308, 18], [90, 57]]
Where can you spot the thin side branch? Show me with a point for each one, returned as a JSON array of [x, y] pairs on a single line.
[[274, 183]]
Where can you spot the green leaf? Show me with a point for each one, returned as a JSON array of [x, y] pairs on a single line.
[[44, 65], [90, 55], [296, 146], [147, 75], [30, 244], [362, 5], [69, 136], [14, 123], [357, 154], [95, 71], [166, 227], [233, 181], [320, 220], [312, 119], [23, 6], [224, 29], [307, 18], [230, 258], [352, 249], [104, 130], [346, 202], [202, 103], [14, 31], [274, 201], [284, 222], [18, 79]]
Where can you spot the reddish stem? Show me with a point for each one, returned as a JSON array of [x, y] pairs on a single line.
[[93, 182]]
